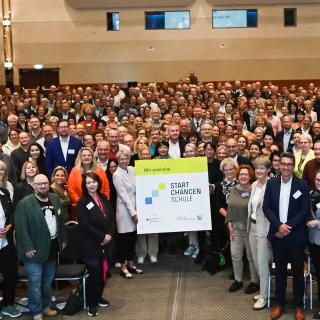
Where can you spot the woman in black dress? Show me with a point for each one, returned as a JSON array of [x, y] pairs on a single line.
[[96, 219]]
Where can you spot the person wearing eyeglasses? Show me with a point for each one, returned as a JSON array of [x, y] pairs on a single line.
[[287, 205], [236, 218], [313, 225], [40, 235], [303, 155], [312, 166]]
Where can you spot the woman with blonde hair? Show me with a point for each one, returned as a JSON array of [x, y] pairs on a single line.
[[85, 162], [13, 142], [4, 183], [190, 151], [147, 244], [126, 214], [140, 143], [221, 152], [258, 226], [24, 188], [138, 123], [58, 186], [303, 155]]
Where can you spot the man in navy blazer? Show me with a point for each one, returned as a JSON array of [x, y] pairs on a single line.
[[286, 205], [285, 136], [62, 150]]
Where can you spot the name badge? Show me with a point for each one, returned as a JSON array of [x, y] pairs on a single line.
[[297, 194], [245, 195], [90, 205], [318, 205], [89, 124], [71, 151]]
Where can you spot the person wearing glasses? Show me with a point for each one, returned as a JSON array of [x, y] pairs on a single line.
[[40, 235], [287, 206], [303, 155], [236, 218], [313, 225]]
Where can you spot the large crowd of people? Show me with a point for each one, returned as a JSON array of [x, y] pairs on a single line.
[[69, 154]]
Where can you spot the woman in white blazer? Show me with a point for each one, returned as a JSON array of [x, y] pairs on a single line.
[[126, 214], [258, 226]]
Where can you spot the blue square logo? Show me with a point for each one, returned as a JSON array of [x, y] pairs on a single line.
[[148, 200]]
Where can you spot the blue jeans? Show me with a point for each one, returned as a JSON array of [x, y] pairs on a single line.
[[40, 277]]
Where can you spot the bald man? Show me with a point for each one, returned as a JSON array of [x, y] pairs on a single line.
[[40, 234]]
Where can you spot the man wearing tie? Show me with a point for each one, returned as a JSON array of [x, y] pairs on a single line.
[[197, 119], [286, 205]]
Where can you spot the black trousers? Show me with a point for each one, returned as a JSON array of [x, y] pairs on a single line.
[[95, 284], [315, 257], [8, 269], [282, 254], [126, 246]]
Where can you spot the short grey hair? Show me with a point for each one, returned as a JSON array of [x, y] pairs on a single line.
[[228, 162], [263, 161], [125, 153]]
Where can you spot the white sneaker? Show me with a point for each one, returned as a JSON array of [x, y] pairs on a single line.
[[260, 304], [257, 297], [195, 253], [153, 259], [189, 251], [140, 260]]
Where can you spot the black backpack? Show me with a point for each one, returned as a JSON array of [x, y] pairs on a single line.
[[215, 263], [74, 302]]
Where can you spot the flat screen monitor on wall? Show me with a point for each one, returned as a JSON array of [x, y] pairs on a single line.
[[234, 18], [166, 20]]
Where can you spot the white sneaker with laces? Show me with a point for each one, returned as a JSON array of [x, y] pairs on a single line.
[[140, 260], [260, 304], [257, 297], [189, 251]]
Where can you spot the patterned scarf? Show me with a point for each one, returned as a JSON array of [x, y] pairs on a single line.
[[226, 186]]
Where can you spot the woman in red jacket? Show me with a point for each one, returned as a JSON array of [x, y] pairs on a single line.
[[84, 163]]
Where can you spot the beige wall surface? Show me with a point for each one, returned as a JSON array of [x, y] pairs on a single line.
[[54, 34], [2, 73]]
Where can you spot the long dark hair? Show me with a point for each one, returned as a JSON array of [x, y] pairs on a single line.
[[93, 176], [41, 160]]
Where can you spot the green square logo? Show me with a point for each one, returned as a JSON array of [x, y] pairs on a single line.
[[155, 193], [162, 186]]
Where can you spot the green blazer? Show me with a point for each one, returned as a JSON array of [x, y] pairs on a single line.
[[32, 231]]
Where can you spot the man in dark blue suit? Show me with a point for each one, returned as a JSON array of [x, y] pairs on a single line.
[[62, 150], [286, 205]]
